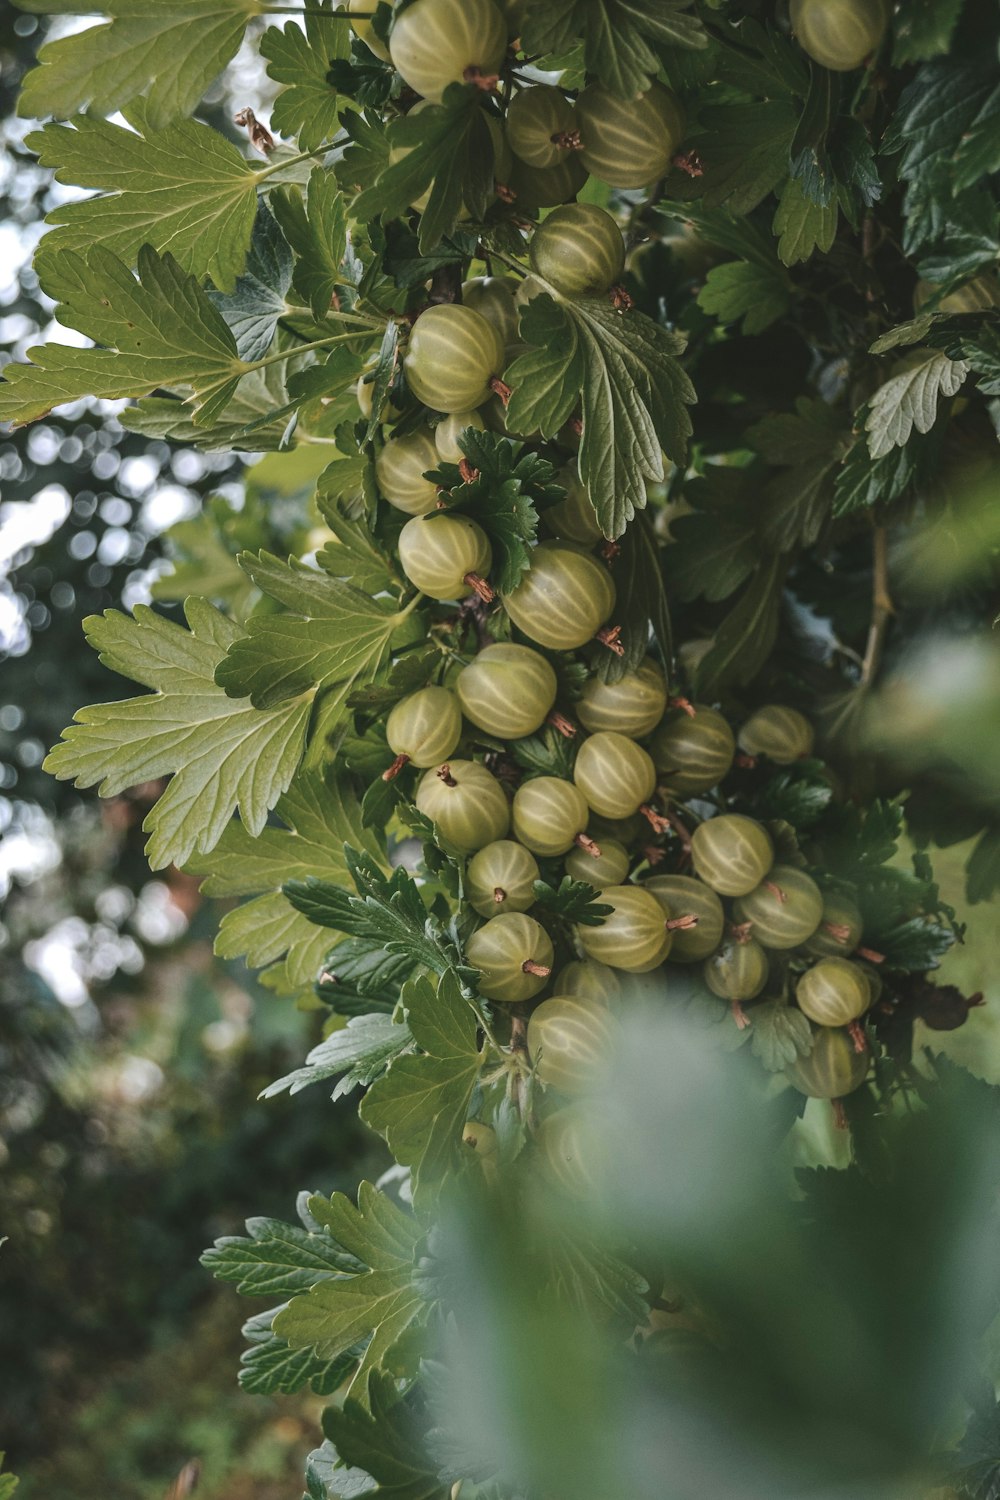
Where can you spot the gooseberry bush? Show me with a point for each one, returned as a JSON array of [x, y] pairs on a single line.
[[596, 353]]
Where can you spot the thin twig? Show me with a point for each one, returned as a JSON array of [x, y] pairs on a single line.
[[882, 606]]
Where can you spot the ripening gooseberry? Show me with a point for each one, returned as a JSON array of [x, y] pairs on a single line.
[[782, 734], [507, 690], [839, 930], [466, 803], [434, 43], [424, 728], [479, 1138], [578, 249], [834, 992], [693, 752], [635, 937], [493, 298], [448, 431], [563, 599], [587, 980], [501, 877], [610, 867], [633, 705], [549, 815], [737, 971], [628, 143], [569, 1041], [514, 955], [784, 910], [540, 124], [400, 469], [614, 774], [364, 30], [444, 556], [731, 853], [833, 1068], [683, 896], [839, 34], [452, 355]]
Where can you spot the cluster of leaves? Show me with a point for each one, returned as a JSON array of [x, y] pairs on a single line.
[[238, 302]]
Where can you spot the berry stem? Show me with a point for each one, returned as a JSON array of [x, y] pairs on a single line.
[[776, 891], [608, 636], [682, 924], [567, 140], [857, 1035], [499, 894], [740, 932], [541, 971], [479, 586], [872, 956], [562, 724], [584, 841], [685, 704], [444, 774], [739, 1015], [839, 931], [501, 388], [393, 771], [839, 1114], [656, 821]]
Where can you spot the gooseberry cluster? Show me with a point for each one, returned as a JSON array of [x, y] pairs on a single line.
[[638, 807]]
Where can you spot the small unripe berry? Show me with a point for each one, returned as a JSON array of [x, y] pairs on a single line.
[[628, 143], [784, 910], [839, 930], [633, 705], [569, 1041], [834, 992], [586, 980], [400, 469], [539, 121], [507, 690], [563, 599], [693, 752], [425, 727], [614, 774], [445, 557], [573, 519], [782, 734], [549, 815], [452, 355], [448, 431], [466, 803], [737, 971], [833, 1068], [635, 937], [493, 298], [609, 868], [514, 954], [682, 896], [839, 34], [578, 249], [501, 878], [731, 853], [434, 43]]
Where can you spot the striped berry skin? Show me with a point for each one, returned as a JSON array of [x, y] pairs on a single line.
[[614, 774], [782, 734], [493, 298], [435, 42], [571, 1150], [737, 971], [500, 878], [507, 690], [834, 992], [586, 980], [633, 705], [839, 34], [784, 910], [693, 753], [437, 553], [573, 519], [400, 469], [471, 812], [542, 187], [425, 726], [609, 868], [500, 950], [731, 853], [569, 1041], [452, 354], [563, 599], [833, 1068], [534, 117], [578, 249], [448, 431], [634, 937], [682, 896], [548, 815], [628, 143], [839, 931]]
